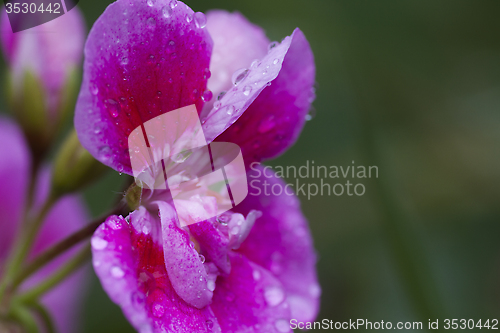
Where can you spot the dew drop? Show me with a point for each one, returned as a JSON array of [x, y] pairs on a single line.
[[221, 94], [230, 110], [217, 105], [146, 228], [239, 75], [171, 46], [272, 45], [202, 258], [275, 62], [247, 90], [173, 4], [166, 11], [200, 20], [117, 272], [151, 22], [223, 219], [274, 295], [113, 107], [210, 324], [104, 153], [137, 299], [98, 243], [282, 326], [94, 89], [151, 3], [114, 224], [211, 285], [189, 18], [254, 63], [311, 114], [207, 96]]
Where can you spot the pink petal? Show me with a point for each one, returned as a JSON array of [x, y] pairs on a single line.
[[281, 242], [274, 120], [58, 46], [237, 43], [14, 176], [140, 61], [184, 266], [131, 267], [250, 299]]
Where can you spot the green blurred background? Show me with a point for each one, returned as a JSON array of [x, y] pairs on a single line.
[[414, 88]]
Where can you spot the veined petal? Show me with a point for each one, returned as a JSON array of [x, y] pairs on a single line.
[[250, 300], [184, 266], [140, 61], [131, 267], [14, 175], [267, 119], [237, 43], [281, 242]]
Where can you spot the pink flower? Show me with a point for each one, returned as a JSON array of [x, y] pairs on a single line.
[[67, 216], [251, 269]]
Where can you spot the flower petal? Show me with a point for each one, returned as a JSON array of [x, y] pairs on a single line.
[[184, 266], [237, 43], [132, 270], [140, 61], [250, 299], [14, 176], [280, 241], [274, 120]]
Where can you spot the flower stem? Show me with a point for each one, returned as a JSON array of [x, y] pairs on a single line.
[[44, 315], [71, 266], [57, 250], [23, 245], [23, 316]]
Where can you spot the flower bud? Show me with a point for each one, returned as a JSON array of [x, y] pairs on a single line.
[[74, 167], [43, 73]]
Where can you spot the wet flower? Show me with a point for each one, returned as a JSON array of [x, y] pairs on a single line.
[[43, 68], [67, 216], [251, 269]]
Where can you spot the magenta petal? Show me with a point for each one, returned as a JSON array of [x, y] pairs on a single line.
[[14, 176], [131, 267], [140, 61], [237, 43], [184, 266], [281, 242], [213, 243], [273, 122], [250, 300]]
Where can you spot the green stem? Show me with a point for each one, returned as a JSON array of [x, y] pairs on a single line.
[[53, 280], [23, 246], [57, 250], [44, 316], [25, 318]]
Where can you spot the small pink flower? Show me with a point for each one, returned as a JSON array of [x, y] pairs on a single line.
[[251, 269]]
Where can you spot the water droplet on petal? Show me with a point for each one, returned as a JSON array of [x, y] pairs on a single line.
[[272, 45], [239, 75], [211, 285], [210, 324], [146, 228], [98, 243], [117, 272], [166, 11], [311, 114], [247, 90], [173, 4], [113, 107], [221, 94], [223, 219], [171, 46], [104, 153], [282, 326], [151, 22], [207, 96], [202, 258], [124, 61], [230, 110], [254, 63], [217, 105], [114, 224], [137, 299], [200, 20], [275, 62], [274, 295], [94, 89], [189, 18], [151, 3]]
